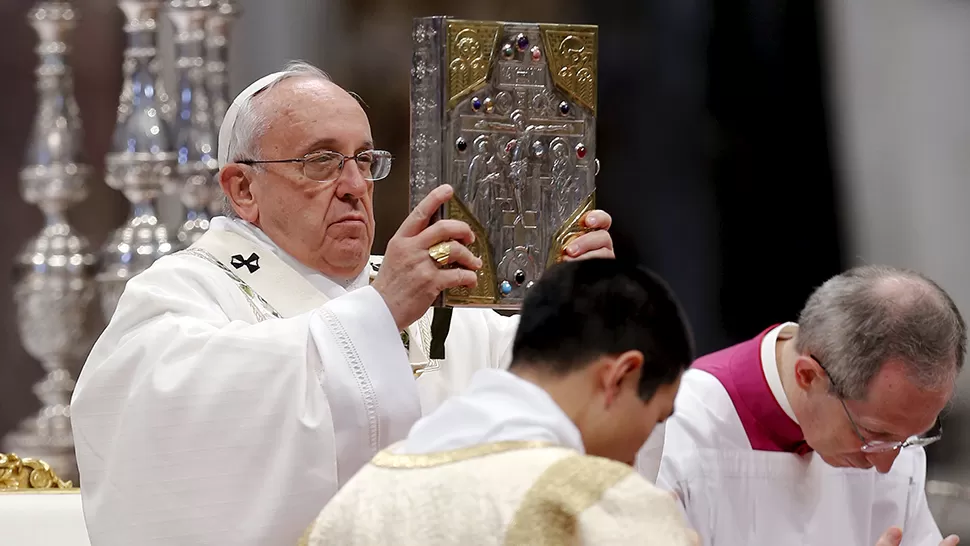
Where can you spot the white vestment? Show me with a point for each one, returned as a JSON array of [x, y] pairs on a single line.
[[734, 495], [499, 464], [234, 391]]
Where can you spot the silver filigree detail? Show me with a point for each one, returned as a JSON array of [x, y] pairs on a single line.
[[195, 131], [142, 162], [54, 273]]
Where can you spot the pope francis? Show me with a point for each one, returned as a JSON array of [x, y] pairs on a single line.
[[539, 454], [242, 381]]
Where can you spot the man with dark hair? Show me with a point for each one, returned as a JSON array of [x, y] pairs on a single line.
[[813, 432], [535, 454]]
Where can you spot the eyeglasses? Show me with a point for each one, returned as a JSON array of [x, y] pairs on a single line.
[[326, 166], [883, 446]]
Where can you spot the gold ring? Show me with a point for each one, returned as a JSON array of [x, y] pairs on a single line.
[[441, 252]]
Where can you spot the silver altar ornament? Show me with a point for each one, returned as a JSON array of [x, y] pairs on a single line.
[[54, 273], [195, 140], [141, 161], [218, 27]]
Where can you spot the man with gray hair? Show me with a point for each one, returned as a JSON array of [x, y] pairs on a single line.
[[242, 381], [813, 432]]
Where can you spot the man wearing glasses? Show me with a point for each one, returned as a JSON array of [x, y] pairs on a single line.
[[242, 381], [813, 433]]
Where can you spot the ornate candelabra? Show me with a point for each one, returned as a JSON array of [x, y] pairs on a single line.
[[195, 133], [54, 274], [141, 163], [218, 28]]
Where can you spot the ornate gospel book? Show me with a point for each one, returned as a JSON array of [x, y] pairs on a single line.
[[506, 114]]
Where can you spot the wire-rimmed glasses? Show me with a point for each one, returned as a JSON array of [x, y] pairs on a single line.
[[326, 165], [884, 446]]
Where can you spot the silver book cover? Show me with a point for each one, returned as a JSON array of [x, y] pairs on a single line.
[[506, 113]]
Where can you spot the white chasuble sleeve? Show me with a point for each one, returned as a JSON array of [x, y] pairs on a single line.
[[196, 424]]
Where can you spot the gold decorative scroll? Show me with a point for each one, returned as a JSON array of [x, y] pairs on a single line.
[[19, 474], [471, 46], [573, 227], [571, 53], [485, 292]]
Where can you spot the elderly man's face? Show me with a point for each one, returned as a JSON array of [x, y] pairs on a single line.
[[894, 409], [328, 226]]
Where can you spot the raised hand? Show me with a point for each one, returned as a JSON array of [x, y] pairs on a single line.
[[411, 274], [597, 243], [892, 537]]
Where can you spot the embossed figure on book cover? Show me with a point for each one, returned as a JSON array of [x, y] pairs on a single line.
[[505, 113]]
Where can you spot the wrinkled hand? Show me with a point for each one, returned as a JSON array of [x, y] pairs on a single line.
[[595, 244], [409, 279], [893, 536]]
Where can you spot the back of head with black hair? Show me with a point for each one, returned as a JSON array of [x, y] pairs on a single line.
[[582, 310]]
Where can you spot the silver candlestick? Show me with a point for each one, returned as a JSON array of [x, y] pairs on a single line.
[[141, 161], [54, 274], [218, 29], [195, 133]]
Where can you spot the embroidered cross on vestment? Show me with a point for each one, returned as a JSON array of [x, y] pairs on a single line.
[[251, 263]]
